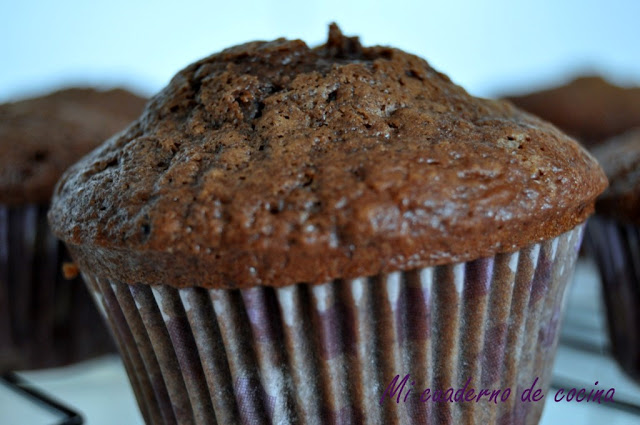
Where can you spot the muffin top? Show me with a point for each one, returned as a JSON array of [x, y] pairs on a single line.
[[41, 137], [620, 158], [272, 163], [588, 108]]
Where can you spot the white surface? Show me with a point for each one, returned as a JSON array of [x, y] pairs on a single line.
[[100, 390], [585, 414]]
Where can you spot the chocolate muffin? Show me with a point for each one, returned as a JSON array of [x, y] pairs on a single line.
[[285, 230], [596, 112], [46, 320], [614, 241], [588, 108]]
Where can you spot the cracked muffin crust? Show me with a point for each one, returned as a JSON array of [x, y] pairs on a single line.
[[272, 163]]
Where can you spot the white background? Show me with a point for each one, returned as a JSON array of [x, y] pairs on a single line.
[[489, 47]]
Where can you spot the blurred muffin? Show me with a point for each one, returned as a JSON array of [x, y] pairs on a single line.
[[45, 320], [588, 108], [614, 241], [597, 112], [286, 229]]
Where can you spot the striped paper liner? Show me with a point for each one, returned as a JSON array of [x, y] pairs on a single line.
[[616, 248], [45, 320], [325, 354]]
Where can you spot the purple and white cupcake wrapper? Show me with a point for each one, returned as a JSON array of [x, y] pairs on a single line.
[[616, 248], [45, 320], [325, 354]]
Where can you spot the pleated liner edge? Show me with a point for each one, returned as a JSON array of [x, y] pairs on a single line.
[[326, 354]]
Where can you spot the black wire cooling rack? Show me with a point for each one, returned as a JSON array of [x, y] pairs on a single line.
[[68, 415]]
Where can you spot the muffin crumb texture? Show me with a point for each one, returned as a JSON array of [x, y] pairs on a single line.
[[274, 163]]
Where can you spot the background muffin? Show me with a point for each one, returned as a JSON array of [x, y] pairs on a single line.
[[597, 112], [286, 229], [46, 320], [588, 108], [614, 241]]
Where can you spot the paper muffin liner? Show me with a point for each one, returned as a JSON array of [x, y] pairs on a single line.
[[45, 320], [325, 354], [615, 246]]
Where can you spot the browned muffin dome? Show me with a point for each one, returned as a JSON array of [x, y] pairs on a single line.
[[273, 163], [620, 158], [589, 108], [41, 137]]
